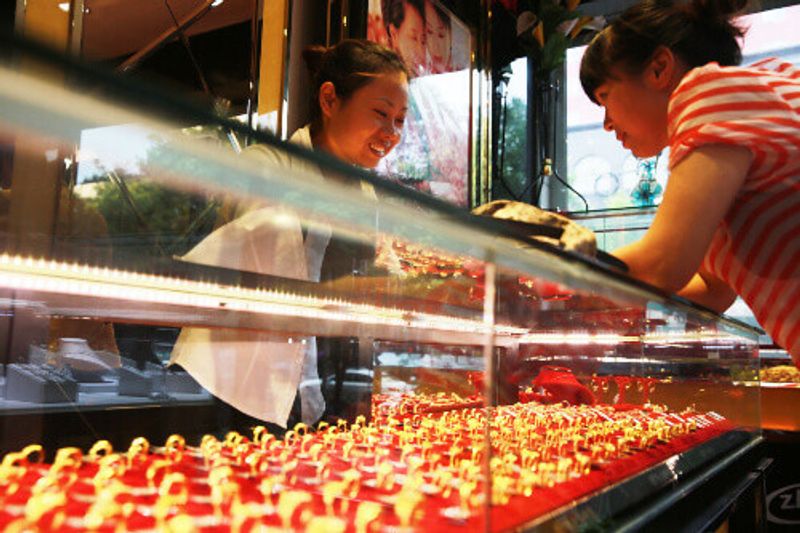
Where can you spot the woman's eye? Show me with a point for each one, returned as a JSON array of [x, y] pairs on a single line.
[[400, 122], [380, 113]]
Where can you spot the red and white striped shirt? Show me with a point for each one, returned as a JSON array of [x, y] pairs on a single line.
[[756, 249]]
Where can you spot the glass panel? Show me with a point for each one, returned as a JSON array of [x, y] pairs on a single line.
[[599, 389]]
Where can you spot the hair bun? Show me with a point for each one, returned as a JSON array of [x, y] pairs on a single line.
[[313, 57], [720, 10]]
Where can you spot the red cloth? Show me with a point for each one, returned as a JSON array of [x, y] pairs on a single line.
[[561, 385]]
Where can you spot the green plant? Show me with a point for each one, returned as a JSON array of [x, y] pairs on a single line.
[[546, 28]]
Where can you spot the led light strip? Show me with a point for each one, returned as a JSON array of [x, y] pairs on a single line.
[[24, 273], [577, 338]]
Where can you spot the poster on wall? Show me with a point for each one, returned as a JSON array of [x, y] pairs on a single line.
[[433, 155]]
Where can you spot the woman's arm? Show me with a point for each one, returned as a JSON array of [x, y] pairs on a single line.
[[699, 193], [710, 291]]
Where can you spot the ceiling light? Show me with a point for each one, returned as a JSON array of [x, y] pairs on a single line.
[[64, 6]]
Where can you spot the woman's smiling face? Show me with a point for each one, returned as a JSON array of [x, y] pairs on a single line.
[[362, 129]]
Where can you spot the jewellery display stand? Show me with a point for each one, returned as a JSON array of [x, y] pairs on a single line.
[[148, 382], [39, 384], [134, 382], [182, 382], [451, 377]]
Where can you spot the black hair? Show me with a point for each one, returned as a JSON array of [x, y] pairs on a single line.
[[441, 13], [697, 31], [394, 11], [349, 65]]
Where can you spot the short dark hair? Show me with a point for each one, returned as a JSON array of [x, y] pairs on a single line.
[[443, 15], [349, 65], [394, 11], [697, 31]]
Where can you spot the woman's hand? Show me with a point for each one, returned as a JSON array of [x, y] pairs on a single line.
[[700, 191]]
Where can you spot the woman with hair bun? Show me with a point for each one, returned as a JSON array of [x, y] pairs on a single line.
[[667, 75], [359, 101]]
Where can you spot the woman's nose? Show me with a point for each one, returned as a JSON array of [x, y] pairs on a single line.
[[607, 124], [392, 131]]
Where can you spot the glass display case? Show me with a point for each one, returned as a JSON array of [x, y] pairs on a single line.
[[198, 339]]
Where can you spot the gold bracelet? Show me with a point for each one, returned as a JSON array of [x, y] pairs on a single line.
[[406, 506], [110, 467], [366, 513], [68, 458], [255, 460], [325, 524], [352, 480], [267, 487], [259, 432], [100, 449], [39, 505], [34, 450], [180, 523], [168, 485], [225, 492], [501, 489], [138, 450], [288, 502], [289, 437], [233, 438], [174, 447], [155, 468], [384, 476], [173, 491], [330, 492]]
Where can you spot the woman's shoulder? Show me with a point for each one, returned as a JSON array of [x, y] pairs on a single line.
[[762, 71], [274, 154], [777, 66], [709, 74]]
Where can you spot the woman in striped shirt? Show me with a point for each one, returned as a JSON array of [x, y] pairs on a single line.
[[729, 223]]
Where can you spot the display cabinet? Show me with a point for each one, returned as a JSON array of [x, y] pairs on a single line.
[[348, 355]]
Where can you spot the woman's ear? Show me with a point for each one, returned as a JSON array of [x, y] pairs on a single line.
[[662, 69], [327, 99]]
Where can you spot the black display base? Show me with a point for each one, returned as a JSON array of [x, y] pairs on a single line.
[[715, 484], [783, 482], [183, 383], [134, 382]]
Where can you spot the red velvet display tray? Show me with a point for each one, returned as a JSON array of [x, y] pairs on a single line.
[[431, 515]]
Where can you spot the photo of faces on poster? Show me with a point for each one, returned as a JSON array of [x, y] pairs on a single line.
[[433, 155]]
